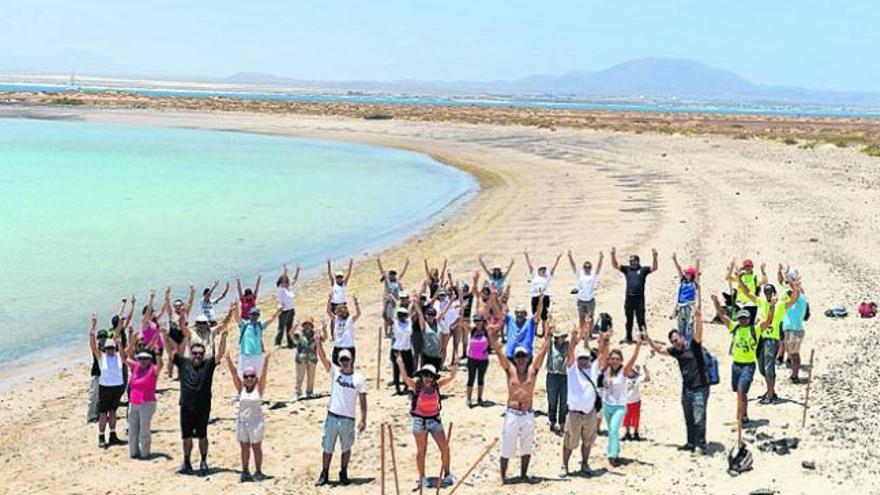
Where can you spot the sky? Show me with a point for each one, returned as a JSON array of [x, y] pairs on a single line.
[[812, 44]]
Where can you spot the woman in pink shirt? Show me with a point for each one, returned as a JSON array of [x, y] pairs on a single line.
[[478, 359], [142, 381]]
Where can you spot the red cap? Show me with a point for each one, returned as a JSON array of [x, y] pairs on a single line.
[[748, 263], [690, 271]]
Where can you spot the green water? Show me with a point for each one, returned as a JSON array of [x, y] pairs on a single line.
[[92, 212]]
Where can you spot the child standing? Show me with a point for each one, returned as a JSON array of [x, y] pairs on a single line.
[[634, 403], [306, 357]]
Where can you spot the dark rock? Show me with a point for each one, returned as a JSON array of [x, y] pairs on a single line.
[[809, 465]]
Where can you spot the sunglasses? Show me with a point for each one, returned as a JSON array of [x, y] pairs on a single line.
[[197, 353], [250, 376]]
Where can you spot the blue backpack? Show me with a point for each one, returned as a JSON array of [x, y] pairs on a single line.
[[711, 365]]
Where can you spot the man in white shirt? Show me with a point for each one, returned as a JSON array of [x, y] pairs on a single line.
[[346, 386], [582, 422], [586, 287], [540, 288]]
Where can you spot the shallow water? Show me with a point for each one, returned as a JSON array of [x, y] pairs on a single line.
[[93, 212]]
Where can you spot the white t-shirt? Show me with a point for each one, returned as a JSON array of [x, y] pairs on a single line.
[[450, 316], [402, 334], [285, 298], [343, 332], [582, 395], [111, 371], [632, 393], [337, 294], [344, 390], [540, 285], [615, 388], [586, 285]]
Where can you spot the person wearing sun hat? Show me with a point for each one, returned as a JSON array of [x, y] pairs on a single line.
[[111, 384], [306, 358], [346, 387], [744, 351], [143, 377], [425, 407]]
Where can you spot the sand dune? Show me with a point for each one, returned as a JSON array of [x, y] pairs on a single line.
[[709, 197]]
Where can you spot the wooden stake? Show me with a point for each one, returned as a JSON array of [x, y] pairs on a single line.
[[474, 465], [448, 448], [809, 382], [393, 459], [382, 461], [379, 361]]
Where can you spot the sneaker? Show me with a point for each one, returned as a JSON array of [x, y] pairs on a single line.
[[114, 440], [246, 476], [765, 400], [563, 473], [203, 468], [626, 437], [447, 480], [185, 468], [259, 476], [586, 471], [343, 478], [637, 437], [322, 479], [102, 444], [686, 447]]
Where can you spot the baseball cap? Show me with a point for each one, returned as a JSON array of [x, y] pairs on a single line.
[[428, 368], [340, 274], [478, 317], [403, 294], [520, 350], [101, 334], [743, 313], [748, 263], [201, 319], [254, 311], [144, 355], [520, 309], [345, 354], [584, 353], [402, 311], [110, 344], [250, 370]]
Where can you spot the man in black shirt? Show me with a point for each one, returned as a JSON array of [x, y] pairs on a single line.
[[196, 375], [636, 275], [694, 380]]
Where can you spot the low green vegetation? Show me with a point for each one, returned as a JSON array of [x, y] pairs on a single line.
[[65, 101]]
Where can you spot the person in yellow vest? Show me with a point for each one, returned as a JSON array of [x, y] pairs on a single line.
[[744, 351], [746, 276], [768, 340]]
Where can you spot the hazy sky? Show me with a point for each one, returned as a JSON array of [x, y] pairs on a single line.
[[817, 44]]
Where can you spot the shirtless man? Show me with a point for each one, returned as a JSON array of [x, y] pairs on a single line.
[[519, 420]]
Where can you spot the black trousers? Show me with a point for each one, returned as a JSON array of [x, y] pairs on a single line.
[[285, 324], [634, 306], [476, 372], [408, 364]]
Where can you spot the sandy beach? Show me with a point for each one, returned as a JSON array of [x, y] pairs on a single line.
[[710, 197]]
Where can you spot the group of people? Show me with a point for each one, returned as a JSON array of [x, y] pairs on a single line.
[[446, 322]]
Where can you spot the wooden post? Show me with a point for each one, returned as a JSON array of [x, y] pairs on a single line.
[[393, 459], [809, 382], [448, 447], [379, 361], [474, 465], [382, 460]]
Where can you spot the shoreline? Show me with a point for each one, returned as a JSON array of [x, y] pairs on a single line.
[[551, 190], [29, 365]]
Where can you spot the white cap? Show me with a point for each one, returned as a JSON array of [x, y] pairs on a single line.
[[584, 353], [340, 274], [402, 311], [428, 368], [201, 319], [520, 350], [403, 294], [520, 309], [345, 354], [110, 343]]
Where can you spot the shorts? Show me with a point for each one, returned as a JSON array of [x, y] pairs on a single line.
[[586, 308], [337, 427], [194, 421], [250, 432], [109, 398], [545, 309], [793, 341], [741, 376], [426, 425], [518, 430], [580, 429], [767, 357]]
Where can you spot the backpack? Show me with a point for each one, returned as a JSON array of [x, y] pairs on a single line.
[[598, 404], [710, 363], [739, 460], [867, 309]]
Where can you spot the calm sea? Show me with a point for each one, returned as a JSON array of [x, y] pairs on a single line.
[[93, 212]]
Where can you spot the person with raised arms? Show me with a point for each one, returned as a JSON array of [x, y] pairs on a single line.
[[587, 279], [744, 349], [250, 339], [518, 431], [434, 337], [306, 358], [694, 378], [143, 377], [425, 406], [497, 278], [768, 340], [342, 327], [615, 399], [285, 292], [435, 277], [176, 312], [540, 287], [391, 288], [636, 277], [583, 399], [208, 301], [250, 423], [401, 349], [346, 387], [248, 297], [196, 380], [519, 328], [338, 284], [556, 382], [477, 359], [687, 298], [111, 383], [796, 308]]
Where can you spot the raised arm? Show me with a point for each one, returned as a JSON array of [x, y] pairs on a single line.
[[574, 267], [745, 290], [509, 268], [122, 306], [769, 319], [213, 288], [223, 295], [720, 312], [542, 351], [357, 308], [296, 272], [483, 264], [403, 374], [330, 273], [427, 268], [236, 381], [655, 260], [764, 278], [146, 315], [221, 349], [698, 311], [677, 265], [529, 263], [264, 375], [272, 318], [779, 275], [632, 359], [604, 337], [614, 263], [555, 264], [795, 293], [492, 333], [662, 350], [443, 268], [319, 347], [381, 268], [572, 345], [93, 343], [599, 264], [257, 287], [348, 271], [403, 270], [238, 286], [190, 301]]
